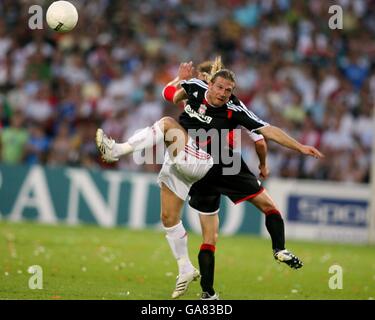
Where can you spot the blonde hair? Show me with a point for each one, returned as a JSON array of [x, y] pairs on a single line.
[[224, 73], [216, 67], [209, 68]]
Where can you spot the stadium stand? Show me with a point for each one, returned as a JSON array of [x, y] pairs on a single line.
[[292, 70]]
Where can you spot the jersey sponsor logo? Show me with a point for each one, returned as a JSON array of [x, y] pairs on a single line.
[[194, 114], [202, 109]]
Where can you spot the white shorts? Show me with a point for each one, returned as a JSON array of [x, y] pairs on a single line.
[[189, 166]]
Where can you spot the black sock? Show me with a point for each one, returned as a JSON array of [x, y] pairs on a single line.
[[275, 227], [206, 260]]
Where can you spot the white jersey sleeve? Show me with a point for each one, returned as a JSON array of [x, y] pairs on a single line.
[[254, 136]]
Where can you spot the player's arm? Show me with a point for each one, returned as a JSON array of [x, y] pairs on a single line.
[[261, 150], [278, 135], [179, 96], [249, 120], [185, 72], [174, 83]]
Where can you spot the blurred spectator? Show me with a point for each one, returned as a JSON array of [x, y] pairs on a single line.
[[13, 140], [37, 146], [61, 146]]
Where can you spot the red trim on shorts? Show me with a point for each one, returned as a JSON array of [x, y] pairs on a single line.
[[197, 154], [209, 247], [250, 196], [272, 211]]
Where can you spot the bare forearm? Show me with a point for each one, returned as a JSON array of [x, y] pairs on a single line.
[[179, 96], [175, 82], [261, 150], [281, 137]]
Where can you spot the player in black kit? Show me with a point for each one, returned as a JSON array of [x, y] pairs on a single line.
[[209, 106], [205, 194]]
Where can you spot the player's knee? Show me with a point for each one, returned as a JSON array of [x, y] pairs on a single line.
[[215, 239], [211, 238], [164, 218], [168, 219], [168, 123]]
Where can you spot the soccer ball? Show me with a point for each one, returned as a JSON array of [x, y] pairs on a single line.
[[62, 16]]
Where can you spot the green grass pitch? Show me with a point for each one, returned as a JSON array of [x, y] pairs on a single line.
[[88, 262]]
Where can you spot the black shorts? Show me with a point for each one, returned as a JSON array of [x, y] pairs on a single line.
[[205, 193]]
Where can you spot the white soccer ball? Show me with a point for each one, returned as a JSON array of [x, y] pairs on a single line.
[[62, 16]]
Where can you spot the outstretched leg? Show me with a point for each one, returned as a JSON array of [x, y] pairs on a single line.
[[166, 129]]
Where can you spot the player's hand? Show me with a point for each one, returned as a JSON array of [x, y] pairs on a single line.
[[264, 171], [185, 70], [311, 151]]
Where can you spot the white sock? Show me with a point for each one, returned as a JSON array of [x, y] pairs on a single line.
[[121, 149], [146, 137], [177, 239], [142, 139]]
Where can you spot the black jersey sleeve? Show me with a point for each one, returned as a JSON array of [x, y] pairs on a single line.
[[194, 88], [244, 117]]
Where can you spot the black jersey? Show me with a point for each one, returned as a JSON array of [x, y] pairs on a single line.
[[199, 116]]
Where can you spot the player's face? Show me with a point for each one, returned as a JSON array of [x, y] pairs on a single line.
[[219, 92]]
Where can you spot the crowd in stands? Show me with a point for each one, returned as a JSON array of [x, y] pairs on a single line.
[[292, 70]]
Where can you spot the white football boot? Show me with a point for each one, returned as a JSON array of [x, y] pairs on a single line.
[[105, 146], [289, 258], [207, 296], [183, 281]]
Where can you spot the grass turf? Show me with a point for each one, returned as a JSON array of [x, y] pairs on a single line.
[[89, 262]]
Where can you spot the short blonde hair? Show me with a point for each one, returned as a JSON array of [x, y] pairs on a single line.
[[224, 73]]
